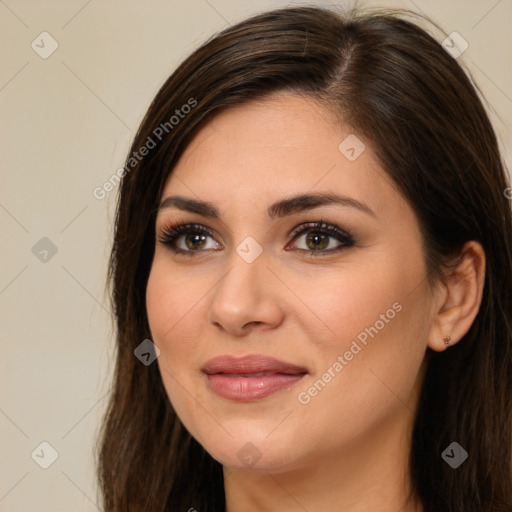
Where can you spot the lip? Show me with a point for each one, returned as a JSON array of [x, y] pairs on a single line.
[[250, 378]]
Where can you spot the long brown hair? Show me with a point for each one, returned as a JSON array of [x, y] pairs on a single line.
[[391, 81]]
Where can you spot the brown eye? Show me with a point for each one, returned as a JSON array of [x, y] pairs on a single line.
[[195, 242], [317, 241], [321, 238], [188, 238]]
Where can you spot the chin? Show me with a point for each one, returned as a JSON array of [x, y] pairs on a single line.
[[243, 454]]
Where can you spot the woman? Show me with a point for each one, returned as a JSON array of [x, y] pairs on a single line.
[[313, 236]]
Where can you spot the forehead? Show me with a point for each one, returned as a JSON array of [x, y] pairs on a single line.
[[279, 146]]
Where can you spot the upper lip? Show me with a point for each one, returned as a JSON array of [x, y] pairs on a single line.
[[250, 364]]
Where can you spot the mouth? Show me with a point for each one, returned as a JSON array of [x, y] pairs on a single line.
[[250, 378]]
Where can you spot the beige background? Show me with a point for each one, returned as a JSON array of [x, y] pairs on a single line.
[[66, 125]]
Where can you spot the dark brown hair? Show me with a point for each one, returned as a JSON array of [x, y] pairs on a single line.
[[392, 82]]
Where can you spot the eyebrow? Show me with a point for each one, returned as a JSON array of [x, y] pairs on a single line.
[[282, 208]]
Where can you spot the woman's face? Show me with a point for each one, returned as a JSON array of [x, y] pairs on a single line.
[[345, 308]]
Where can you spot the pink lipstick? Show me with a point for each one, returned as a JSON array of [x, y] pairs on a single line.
[[250, 378]]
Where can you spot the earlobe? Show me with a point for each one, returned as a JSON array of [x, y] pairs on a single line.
[[458, 305]]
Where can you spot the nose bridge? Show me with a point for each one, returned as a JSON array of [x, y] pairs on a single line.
[[244, 294], [242, 282], [246, 263]]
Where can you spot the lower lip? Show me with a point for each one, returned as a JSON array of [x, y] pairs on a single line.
[[244, 389]]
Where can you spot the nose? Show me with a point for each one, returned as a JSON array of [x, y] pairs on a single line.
[[246, 297]]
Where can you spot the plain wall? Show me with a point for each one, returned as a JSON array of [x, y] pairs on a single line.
[[66, 125]]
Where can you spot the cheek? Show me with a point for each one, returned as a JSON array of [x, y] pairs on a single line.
[[172, 307], [364, 380], [366, 298], [170, 297], [376, 325]]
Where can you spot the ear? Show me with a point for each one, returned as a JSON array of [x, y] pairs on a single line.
[[458, 301]]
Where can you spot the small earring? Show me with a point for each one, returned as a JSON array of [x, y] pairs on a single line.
[[447, 340]]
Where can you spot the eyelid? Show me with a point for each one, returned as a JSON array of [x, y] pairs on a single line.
[[320, 225]]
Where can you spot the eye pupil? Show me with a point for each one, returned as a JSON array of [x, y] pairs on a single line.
[[321, 241], [195, 238]]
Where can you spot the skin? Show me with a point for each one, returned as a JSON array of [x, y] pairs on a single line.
[[347, 448]]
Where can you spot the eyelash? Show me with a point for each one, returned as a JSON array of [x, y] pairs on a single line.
[[173, 231]]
